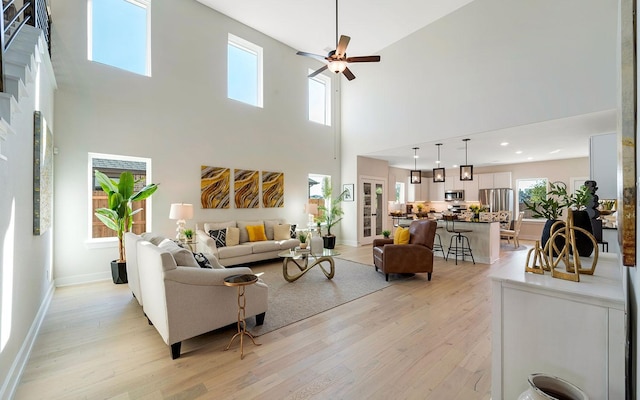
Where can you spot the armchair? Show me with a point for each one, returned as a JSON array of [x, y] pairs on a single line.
[[417, 256]]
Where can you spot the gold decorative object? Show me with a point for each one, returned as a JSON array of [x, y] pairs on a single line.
[[240, 281], [538, 257], [573, 264]]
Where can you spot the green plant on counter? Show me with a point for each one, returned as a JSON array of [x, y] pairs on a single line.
[[556, 200], [188, 233], [386, 234]]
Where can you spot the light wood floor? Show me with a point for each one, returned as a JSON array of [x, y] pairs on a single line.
[[413, 340]]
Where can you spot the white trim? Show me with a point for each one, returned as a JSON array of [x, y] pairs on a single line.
[[326, 81], [11, 381], [83, 278]]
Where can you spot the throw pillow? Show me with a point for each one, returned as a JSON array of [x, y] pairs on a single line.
[[233, 236], [242, 225], [282, 232], [202, 260], [183, 257], [256, 233], [401, 236], [292, 231], [219, 236]]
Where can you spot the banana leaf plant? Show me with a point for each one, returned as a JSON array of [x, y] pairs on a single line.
[[119, 215]]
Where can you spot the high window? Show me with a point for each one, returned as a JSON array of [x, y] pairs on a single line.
[[320, 99], [113, 166], [119, 34], [530, 190], [244, 71]]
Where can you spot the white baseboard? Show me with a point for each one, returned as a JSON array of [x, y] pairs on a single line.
[[86, 278], [11, 381]]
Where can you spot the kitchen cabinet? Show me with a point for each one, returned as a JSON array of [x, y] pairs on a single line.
[[495, 180], [485, 181], [603, 164], [418, 192], [574, 330], [436, 191], [452, 181], [470, 190]]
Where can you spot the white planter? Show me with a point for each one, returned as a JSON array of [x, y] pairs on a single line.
[[545, 387]]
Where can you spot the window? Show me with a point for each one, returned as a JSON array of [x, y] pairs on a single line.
[[244, 71], [316, 196], [113, 166], [530, 190], [400, 192], [119, 34], [320, 99]]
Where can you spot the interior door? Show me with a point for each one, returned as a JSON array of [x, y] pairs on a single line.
[[372, 207]]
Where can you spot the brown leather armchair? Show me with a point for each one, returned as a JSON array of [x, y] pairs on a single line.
[[417, 256]]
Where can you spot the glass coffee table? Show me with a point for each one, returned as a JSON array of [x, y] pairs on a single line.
[[301, 260]]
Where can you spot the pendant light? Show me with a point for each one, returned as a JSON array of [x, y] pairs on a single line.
[[438, 173], [466, 171], [416, 175]]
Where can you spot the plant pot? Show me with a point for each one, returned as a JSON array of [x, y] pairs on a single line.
[[119, 272], [544, 387], [303, 245], [546, 234], [329, 242], [583, 242]]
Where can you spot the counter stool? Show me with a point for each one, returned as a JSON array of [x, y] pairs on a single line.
[[437, 244], [461, 247]]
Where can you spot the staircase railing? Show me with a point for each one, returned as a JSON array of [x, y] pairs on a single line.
[[32, 12]]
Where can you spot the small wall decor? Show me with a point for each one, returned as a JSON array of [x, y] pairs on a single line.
[[42, 174], [348, 189], [246, 186], [272, 189], [215, 184]]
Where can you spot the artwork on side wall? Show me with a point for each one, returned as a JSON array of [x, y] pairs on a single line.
[[347, 189], [246, 186], [272, 189], [215, 185], [42, 174]]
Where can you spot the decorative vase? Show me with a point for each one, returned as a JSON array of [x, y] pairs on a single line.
[[317, 244], [584, 244], [329, 242], [303, 245], [119, 272], [546, 234], [548, 387]]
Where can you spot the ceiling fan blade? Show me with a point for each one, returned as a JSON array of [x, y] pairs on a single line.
[[341, 49], [316, 56], [347, 72], [316, 72], [363, 59]]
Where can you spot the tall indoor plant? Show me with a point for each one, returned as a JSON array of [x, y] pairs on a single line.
[[331, 212], [549, 205], [119, 215]]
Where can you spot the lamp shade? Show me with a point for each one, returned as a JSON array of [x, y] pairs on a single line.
[[181, 211]]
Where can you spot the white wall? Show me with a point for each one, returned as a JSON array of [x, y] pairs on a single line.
[[181, 118], [491, 64], [25, 259]]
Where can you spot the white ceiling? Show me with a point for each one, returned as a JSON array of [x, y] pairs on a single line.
[[373, 25]]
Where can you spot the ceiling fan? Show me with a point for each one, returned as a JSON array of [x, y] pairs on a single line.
[[337, 60]]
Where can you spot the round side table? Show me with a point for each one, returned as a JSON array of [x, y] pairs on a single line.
[[241, 281]]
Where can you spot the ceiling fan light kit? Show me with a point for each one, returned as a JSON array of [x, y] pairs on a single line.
[[416, 174], [336, 61], [466, 171], [438, 173]]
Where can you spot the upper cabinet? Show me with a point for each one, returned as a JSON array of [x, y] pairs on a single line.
[[603, 163], [436, 190], [495, 180], [471, 189]]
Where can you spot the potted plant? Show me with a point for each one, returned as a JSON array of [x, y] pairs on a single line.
[[578, 202], [331, 212], [188, 233], [118, 215], [548, 204], [302, 236], [386, 234]]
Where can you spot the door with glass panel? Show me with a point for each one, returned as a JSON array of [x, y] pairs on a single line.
[[372, 202]]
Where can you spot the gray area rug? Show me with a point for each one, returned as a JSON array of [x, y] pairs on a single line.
[[313, 293]]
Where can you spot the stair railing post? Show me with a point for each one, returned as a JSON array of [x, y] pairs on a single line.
[[2, 42], [30, 11]]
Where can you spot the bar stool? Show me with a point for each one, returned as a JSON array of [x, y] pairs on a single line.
[[459, 248], [437, 244]]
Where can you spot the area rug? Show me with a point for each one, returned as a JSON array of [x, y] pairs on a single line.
[[313, 293]]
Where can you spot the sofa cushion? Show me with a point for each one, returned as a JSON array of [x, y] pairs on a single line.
[[242, 225], [265, 246], [234, 251], [208, 226], [219, 236], [288, 244], [183, 257], [268, 227], [233, 236], [256, 233], [282, 232]]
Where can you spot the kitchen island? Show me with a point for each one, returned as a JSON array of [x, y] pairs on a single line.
[[484, 239]]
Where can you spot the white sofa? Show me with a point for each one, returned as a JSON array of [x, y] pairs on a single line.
[[183, 301], [245, 251]]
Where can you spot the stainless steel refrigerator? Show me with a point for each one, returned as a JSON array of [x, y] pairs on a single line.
[[500, 199]]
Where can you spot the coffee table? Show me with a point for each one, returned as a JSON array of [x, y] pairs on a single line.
[[301, 259], [240, 281]]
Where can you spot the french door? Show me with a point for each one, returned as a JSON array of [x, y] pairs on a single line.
[[372, 209]]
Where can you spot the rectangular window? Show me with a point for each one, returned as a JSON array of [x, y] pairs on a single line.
[[320, 99], [400, 192], [113, 166], [244, 71], [119, 34], [530, 190]]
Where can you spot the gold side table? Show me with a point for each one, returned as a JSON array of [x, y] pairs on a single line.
[[241, 281]]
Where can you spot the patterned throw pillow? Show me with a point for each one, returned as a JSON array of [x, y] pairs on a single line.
[[202, 260], [292, 232], [219, 236]]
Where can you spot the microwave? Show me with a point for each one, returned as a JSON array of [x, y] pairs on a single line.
[[454, 195]]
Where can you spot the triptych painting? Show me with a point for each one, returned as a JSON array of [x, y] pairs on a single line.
[[215, 188]]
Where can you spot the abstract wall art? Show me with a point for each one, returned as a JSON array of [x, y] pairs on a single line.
[[272, 189], [215, 185], [246, 187]]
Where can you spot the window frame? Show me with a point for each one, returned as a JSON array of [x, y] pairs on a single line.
[[517, 194], [249, 47], [112, 241], [146, 4], [326, 82]]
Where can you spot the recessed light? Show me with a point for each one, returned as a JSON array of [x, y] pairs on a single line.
[[519, 152], [504, 144], [555, 151], [529, 158], [454, 166]]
